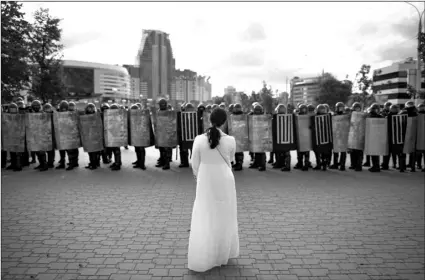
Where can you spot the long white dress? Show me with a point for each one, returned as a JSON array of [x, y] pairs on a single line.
[[214, 237]]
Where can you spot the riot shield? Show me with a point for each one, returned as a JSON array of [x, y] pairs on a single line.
[[356, 135], [340, 131], [187, 128], [166, 129], [238, 128], [141, 134], [322, 133], [39, 132], [376, 137], [304, 134], [13, 132], [283, 128], [396, 132], [115, 128], [91, 128], [410, 139], [420, 137], [260, 133], [67, 132]]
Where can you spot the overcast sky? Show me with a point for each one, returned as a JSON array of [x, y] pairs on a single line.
[[242, 44]]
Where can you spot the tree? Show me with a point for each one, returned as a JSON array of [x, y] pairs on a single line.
[[422, 47], [46, 56], [218, 100], [363, 93], [414, 94], [332, 90], [228, 99], [266, 97], [14, 50]]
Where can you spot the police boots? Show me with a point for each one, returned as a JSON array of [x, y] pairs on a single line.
[[117, 156], [62, 159]]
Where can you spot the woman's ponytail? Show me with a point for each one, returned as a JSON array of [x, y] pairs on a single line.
[[214, 136]]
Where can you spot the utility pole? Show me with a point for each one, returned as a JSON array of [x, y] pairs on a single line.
[[418, 61]]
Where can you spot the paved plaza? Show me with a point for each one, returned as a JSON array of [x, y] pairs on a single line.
[[134, 224]]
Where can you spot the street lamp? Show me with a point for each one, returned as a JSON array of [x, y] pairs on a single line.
[[418, 62]]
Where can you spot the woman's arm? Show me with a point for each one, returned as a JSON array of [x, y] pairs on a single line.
[[196, 156]]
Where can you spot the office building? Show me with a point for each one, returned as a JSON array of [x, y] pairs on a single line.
[[391, 83], [156, 65], [229, 90], [96, 82], [189, 86], [304, 90]]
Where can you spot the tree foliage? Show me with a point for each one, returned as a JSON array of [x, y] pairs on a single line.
[[46, 56], [363, 93], [14, 50], [266, 97], [414, 94], [218, 100], [228, 98], [422, 47], [332, 90]]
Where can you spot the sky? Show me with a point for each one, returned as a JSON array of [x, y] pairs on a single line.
[[243, 44]]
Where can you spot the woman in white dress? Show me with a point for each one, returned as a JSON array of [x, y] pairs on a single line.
[[214, 237]]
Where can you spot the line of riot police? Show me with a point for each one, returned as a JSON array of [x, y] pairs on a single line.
[[277, 133]]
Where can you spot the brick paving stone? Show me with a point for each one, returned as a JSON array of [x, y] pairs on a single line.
[[133, 224]]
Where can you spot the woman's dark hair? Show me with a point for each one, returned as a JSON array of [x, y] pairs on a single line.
[[217, 118]]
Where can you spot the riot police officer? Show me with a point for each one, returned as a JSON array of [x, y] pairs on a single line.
[[259, 158], [41, 155], [375, 114], [239, 156], [339, 110], [165, 152], [48, 108], [410, 111], [116, 165], [303, 158]]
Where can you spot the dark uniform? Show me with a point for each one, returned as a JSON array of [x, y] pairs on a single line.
[[165, 153], [41, 155], [239, 156], [303, 158], [356, 156], [283, 158], [367, 163], [410, 111], [51, 154], [94, 157], [324, 156], [116, 165], [259, 158], [15, 157], [420, 155], [394, 110], [339, 160], [184, 149], [387, 109], [140, 151], [374, 114], [3, 152], [63, 107], [25, 156], [106, 153]]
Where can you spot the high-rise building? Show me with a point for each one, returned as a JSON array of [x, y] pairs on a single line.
[[304, 90], [189, 86], [208, 90], [229, 90], [156, 64], [391, 83]]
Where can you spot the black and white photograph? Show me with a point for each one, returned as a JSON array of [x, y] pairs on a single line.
[[212, 140]]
